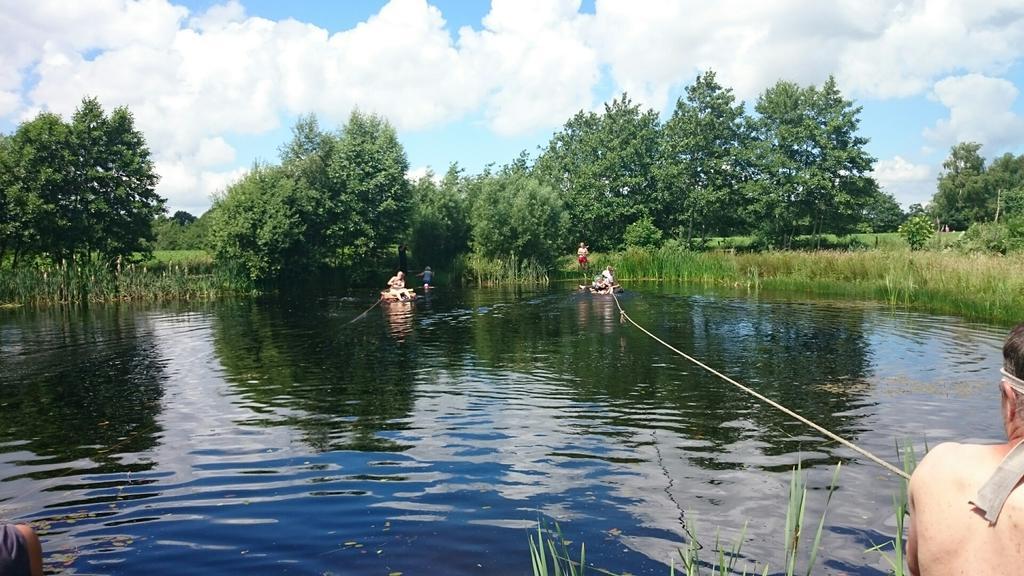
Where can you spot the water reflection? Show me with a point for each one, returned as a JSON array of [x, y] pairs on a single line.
[[65, 404], [399, 318], [340, 384], [276, 435]]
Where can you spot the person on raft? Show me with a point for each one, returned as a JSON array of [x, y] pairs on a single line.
[[396, 288], [609, 276]]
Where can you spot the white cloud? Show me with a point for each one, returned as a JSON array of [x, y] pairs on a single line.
[[190, 189], [214, 152], [909, 183], [980, 110], [195, 81], [218, 16]]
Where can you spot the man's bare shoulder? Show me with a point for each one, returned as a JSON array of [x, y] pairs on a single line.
[[951, 459]]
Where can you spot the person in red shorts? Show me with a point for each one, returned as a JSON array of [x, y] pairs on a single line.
[[581, 256]]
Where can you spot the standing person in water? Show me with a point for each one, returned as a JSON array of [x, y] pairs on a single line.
[[402, 261], [428, 277], [966, 500], [581, 256], [21, 554]]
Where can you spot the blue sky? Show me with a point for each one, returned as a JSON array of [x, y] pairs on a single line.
[[216, 85]]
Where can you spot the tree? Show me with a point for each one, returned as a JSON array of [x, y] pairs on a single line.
[[813, 173], [38, 187], [183, 218], [114, 198], [700, 165], [916, 231], [962, 196], [883, 213], [440, 218], [603, 168], [258, 224], [643, 234], [514, 215], [368, 192], [1005, 177]]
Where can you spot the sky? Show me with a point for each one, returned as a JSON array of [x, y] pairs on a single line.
[[215, 86]]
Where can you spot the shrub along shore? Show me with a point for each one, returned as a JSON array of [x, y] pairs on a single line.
[[974, 286], [184, 275]]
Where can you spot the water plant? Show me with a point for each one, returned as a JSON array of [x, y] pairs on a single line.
[[90, 282], [976, 286], [482, 271], [550, 545]]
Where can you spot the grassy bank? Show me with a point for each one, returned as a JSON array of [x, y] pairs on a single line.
[[983, 287], [175, 277]]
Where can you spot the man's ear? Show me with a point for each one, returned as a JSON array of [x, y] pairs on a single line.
[[1009, 402]]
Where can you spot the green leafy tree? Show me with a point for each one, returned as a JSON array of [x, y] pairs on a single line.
[[602, 165], [643, 234], [39, 184], [883, 213], [813, 173], [369, 196], [113, 200], [440, 218], [963, 196], [1005, 177], [701, 162], [514, 215], [916, 231], [258, 223]]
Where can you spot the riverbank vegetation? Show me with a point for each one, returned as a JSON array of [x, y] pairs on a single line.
[[973, 285], [793, 175]]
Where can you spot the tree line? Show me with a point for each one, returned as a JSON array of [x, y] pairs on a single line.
[[797, 167], [787, 173]]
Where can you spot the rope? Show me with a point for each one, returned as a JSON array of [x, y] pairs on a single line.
[[767, 400], [379, 300]]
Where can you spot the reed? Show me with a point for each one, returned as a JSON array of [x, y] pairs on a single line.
[[482, 271], [550, 548], [975, 286], [93, 282]]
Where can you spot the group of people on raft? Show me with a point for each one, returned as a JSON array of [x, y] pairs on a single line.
[[604, 283], [396, 290]]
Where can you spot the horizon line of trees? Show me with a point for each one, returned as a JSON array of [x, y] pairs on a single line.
[[795, 168]]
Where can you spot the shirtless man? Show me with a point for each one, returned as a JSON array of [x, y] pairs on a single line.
[[396, 286], [958, 521], [581, 256]]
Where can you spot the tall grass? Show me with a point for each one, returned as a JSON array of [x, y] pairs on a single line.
[[552, 547], [482, 271], [976, 286], [78, 283]]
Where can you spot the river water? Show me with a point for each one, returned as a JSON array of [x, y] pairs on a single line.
[[276, 437]]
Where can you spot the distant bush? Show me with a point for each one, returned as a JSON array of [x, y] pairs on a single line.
[[642, 234], [988, 237], [916, 231]]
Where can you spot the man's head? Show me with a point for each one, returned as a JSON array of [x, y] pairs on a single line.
[[1012, 384]]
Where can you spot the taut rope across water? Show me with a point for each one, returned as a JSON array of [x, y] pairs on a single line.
[[767, 400]]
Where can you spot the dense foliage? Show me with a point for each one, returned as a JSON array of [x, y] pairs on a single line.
[[338, 199], [72, 191]]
